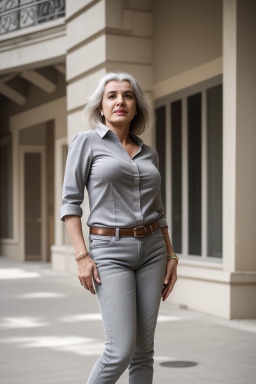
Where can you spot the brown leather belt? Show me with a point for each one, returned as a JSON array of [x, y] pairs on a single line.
[[140, 231]]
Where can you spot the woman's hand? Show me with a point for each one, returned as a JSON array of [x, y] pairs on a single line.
[[86, 271], [170, 278], [86, 266]]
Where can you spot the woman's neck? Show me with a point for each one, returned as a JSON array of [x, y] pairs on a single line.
[[122, 132]]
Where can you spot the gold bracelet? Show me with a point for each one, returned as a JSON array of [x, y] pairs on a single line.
[[169, 257], [80, 256]]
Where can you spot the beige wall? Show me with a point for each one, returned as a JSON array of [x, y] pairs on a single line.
[[186, 34], [32, 47]]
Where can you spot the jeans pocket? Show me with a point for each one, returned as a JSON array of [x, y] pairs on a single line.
[[99, 241]]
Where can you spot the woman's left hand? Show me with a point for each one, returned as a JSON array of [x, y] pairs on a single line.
[[170, 278]]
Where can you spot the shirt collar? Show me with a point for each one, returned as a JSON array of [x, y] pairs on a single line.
[[103, 129]]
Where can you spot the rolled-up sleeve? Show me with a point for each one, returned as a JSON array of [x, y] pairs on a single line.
[[78, 164], [159, 204]]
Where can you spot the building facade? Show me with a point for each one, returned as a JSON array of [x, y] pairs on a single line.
[[196, 60]]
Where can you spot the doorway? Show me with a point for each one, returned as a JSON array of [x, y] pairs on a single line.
[[33, 203]]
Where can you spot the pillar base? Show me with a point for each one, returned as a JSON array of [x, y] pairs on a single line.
[[209, 289], [63, 259]]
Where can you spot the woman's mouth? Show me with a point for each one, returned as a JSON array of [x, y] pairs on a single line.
[[120, 112]]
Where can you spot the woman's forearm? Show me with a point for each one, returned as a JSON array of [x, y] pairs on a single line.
[[74, 228], [168, 243]]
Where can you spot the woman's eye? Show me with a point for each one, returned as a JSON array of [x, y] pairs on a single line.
[[128, 96]]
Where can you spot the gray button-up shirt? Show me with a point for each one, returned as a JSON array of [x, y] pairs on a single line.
[[123, 192]]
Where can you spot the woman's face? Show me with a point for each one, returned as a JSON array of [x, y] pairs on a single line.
[[118, 104]]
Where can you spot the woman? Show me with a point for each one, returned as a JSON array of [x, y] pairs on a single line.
[[131, 263]]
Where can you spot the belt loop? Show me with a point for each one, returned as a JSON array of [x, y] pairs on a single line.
[[117, 234]]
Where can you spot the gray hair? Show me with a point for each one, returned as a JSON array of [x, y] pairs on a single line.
[[144, 118]]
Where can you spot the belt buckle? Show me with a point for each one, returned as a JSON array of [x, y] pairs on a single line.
[[138, 228]]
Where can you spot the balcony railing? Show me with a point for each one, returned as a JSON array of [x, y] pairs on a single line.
[[18, 14]]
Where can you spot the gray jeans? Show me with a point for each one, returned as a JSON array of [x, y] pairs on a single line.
[[132, 272]]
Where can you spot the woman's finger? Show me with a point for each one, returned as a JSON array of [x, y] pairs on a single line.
[[168, 288], [83, 283], [166, 294], [172, 282], [90, 286], [96, 274]]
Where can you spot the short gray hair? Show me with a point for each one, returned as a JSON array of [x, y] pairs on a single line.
[[144, 118]]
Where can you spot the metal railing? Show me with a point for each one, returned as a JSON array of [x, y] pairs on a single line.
[[18, 14]]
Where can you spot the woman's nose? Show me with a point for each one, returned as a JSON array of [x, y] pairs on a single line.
[[120, 100]]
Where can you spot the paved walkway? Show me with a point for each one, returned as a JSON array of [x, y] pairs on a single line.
[[51, 332]]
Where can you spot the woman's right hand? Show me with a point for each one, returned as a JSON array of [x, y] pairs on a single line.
[[86, 271]]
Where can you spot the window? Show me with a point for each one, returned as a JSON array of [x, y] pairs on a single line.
[[189, 142]]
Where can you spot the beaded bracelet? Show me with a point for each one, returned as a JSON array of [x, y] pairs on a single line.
[[169, 257], [80, 256]]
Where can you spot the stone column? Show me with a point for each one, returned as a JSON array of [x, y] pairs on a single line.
[[239, 154]]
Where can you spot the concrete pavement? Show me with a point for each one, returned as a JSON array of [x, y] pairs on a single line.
[[51, 332]]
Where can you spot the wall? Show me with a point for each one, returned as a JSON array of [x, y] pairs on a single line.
[[30, 47], [186, 35]]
